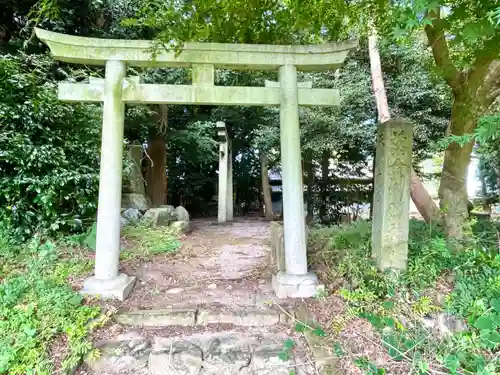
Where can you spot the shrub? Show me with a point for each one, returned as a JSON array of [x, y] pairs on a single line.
[[37, 306], [49, 151], [382, 299]]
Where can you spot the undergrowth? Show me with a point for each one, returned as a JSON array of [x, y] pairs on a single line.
[[398, 304], [38, 306], [138, 241], [147, 241]]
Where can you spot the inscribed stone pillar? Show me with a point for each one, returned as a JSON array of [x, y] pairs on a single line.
[[107, 283], [229, 204], [223, 173], [135, 179], [391, 196], [296, 281]]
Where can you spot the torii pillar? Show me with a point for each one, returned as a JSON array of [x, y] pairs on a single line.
[[107, 282], [296, 281], [225, 204]]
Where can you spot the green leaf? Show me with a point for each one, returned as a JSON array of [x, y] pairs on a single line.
[[495, 304], [31, 332], [452, 363], [398, 32], [318, 331], [75, 300], [485, 322], [388, 305], [300, 327], [491, 339], [338, 350], [284, 355], [288, 344], [362, 362], [389, 322], [392, 345]]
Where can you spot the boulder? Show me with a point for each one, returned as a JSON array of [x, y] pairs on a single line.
[[123, 222], [181, 226], [182, 213], [120, 357], [137, 201], [160, 216], [444, 324], [132, 215]]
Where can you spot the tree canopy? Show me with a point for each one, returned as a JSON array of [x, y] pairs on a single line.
[[426, 46]]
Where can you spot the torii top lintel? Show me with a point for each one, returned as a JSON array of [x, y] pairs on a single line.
[[96, 51]]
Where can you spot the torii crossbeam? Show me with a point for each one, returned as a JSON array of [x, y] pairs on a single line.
[[116, 89]]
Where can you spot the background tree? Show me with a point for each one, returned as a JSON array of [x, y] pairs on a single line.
[[473, 28], [337, 144], [464, 39]]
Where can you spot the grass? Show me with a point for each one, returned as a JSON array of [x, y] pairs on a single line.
[[396, 304], [145, 241], [138, 240], [39, 308]]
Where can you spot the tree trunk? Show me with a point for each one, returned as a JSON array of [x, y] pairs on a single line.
[[325, 171], [156, 172], [377, 78], [266, 188], [162, 129], [419, 194], [474, 90], [309, 167], [453, 187]]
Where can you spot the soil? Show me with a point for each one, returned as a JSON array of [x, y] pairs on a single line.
[[226, 264], [229, 265]]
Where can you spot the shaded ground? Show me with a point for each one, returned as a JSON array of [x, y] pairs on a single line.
[[227, 267], [221, 267], [217, 263]]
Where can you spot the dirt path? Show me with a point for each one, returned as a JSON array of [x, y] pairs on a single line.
[[218, 263], [206, 310]]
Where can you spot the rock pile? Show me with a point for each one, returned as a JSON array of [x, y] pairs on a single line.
[[176, 218]]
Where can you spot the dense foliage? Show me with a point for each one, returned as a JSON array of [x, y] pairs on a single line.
[[412, 83], [44, 322], [49, 159]]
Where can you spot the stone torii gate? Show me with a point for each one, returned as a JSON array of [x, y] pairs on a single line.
[[117, 89]]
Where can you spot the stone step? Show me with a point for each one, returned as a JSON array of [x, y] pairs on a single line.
[[242, 293], [251, 351], [246, 317]]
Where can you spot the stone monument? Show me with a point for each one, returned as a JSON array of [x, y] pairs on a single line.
[[391, 194], [225, 212]]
